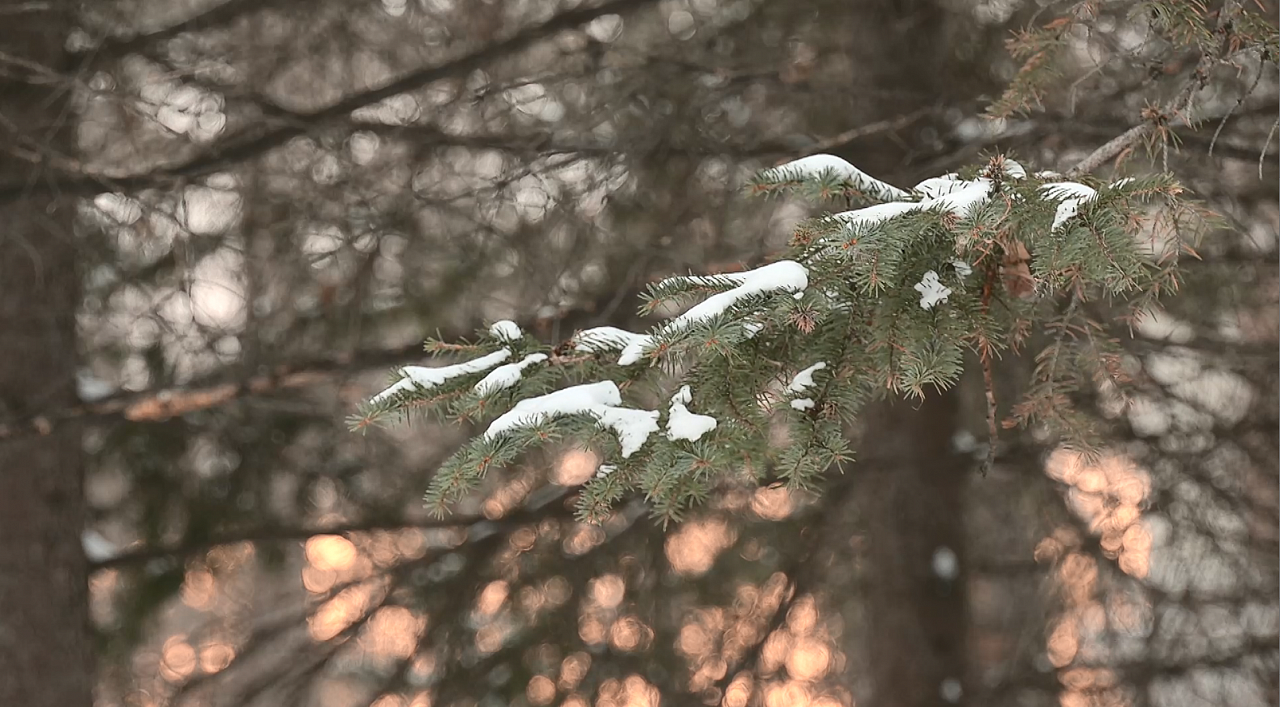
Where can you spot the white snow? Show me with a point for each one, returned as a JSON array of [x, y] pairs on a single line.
[[752, 328], [600, 400], [422, 378], [682, 424], [1014, 170], [802, 404], [506, 375], [963, 269], [505, 330], [872, 215], [934, 187], [963, 199], [784, 275], [605, 470], [804, 378], [606, 338], [817, 165], [1071, 195], [932, 292]]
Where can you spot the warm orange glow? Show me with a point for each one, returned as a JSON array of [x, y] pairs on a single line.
[[388, 701], [575, 467], [492, 597], [199, 590], [341, 611], [606, 591], [331, 552], [177, 658], [573, 669], [1064, 642], [582, 539], [693, 548], [809, 659], [489, 639], [772, 503], [215, 657], [629, 633], [393, 632], [540, 690]]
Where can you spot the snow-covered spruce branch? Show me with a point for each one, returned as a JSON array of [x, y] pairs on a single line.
[[763, 369]]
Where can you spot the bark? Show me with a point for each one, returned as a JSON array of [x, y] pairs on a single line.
[[45, 639], [912, 504]]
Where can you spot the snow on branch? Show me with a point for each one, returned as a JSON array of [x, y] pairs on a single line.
[[600, 400], [423, 378], [682, 424], [819, 167], [782, 276]]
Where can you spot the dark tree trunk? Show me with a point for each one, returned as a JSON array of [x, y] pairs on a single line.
[[912, 505], [45, 641]]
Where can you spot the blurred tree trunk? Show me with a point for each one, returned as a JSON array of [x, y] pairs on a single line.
[[45, 640], [912, 505]]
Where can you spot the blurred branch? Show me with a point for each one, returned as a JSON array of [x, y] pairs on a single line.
[[285, 533], [218, 16], [1154, 121], [252, 142]]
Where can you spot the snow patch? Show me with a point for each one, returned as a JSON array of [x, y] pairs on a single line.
[[682, 424], [816, 166], [932, 291], [505, 330], [784, 275], [423, 378], [804, 379], [802, 404], [506, 375], [600, 400], [1072, 196]]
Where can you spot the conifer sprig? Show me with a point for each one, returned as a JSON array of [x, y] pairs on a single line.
[[765, 368]]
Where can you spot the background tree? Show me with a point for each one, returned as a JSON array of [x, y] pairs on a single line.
[[286, 200]]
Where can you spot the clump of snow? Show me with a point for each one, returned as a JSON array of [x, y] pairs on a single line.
[[505, 330], [934, 187], [605, 470], [962, 200], [682, 424], [601, 400], [1072, 196], [751, 329], [784, 275], [606, 338], [815, 166], [932, 291], [963, 269], [506, 375], [804, 379], [1014, 170], [423, 378], [873, 215], [802, 404]]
